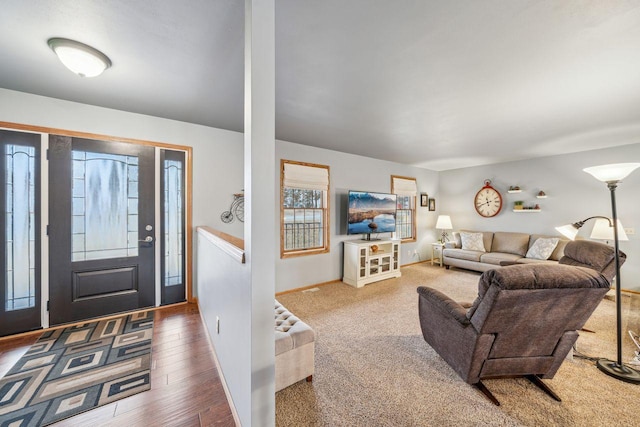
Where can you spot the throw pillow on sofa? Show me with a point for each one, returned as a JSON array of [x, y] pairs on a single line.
[[472, 241], [542, 248]]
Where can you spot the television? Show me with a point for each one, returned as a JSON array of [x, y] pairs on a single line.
[[371, 213]]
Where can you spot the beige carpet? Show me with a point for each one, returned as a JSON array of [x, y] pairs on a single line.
[[373, 368]]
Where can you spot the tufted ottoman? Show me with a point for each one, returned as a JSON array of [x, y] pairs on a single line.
[[294, 348]]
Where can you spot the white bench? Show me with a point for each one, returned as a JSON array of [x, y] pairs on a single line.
[[295, 349]]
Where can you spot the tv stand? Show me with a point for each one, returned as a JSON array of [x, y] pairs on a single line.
[[367, 261], [367, 238]]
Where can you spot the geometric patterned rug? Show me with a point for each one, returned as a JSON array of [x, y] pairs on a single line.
[[76, 369]]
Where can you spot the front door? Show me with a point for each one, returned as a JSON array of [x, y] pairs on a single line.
[[19, 232], [102, 229]]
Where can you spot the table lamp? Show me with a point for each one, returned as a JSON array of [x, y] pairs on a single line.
[[444, 223]]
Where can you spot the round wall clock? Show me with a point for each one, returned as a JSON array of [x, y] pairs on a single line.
[[488, 201]]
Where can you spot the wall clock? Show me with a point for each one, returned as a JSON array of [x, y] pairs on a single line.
[[488, 201]]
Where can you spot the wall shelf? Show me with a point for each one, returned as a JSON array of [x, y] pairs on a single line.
[[514, 191], [527, 210], [541, 197]]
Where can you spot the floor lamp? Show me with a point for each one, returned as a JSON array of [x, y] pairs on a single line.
[[571, 230], [603, 230], [612, 175]]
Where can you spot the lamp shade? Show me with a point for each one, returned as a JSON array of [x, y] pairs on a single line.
[[444, 222], [80, 58], [613, 172], [603, 231], [570, 231]]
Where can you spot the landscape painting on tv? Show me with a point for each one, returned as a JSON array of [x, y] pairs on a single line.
[[371, 213]]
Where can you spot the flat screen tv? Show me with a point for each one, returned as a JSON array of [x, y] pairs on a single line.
[[371, 213]]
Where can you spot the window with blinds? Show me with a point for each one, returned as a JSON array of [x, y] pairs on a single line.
[[304, 209], [406, 190]]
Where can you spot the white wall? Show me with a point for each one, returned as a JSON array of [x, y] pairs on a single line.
[[225, 296], [217, 154], [573, 195], [350, 172]]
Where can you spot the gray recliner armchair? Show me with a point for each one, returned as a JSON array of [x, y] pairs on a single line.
[[524, 320], [594, 255]]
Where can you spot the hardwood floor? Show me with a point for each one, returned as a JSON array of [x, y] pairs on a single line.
[[185, 385]]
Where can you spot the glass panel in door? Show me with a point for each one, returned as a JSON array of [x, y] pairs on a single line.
[[105, 206]]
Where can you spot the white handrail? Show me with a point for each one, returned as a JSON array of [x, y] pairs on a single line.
[[232, 246]]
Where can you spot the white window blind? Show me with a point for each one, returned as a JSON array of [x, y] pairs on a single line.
[[404, 187], [306, 177]]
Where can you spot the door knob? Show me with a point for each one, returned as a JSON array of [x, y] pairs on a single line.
[[147, 239]]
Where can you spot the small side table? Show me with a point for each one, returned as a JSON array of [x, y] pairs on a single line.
[[436, 253]]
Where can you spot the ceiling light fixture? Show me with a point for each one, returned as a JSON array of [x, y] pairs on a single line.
[[83, 60]]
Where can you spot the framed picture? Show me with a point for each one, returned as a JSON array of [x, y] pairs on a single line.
[[432, 204], [424, 199]]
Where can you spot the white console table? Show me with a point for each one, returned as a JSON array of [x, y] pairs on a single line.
[[369, 261]]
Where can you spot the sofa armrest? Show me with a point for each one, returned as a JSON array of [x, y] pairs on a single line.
[[450, 245], [446, 304]]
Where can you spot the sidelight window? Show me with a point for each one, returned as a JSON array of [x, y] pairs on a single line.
[[173, 214], [20, 227], [173, 222]]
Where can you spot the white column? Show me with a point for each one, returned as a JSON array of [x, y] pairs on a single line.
[[260, 199]]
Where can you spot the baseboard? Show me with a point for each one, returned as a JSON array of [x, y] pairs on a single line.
[[414, 263], [304, 288], [289, 291]]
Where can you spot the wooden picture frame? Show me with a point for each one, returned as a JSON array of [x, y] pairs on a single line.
[[432, 204], [424, 200]]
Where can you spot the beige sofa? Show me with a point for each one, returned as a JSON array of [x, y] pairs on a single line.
[[500, 247], [295, 348]]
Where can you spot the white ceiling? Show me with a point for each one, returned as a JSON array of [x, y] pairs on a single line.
[[432, 83]]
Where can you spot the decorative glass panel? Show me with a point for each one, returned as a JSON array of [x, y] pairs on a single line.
[[20, 227], [105, 206], [173, 217]]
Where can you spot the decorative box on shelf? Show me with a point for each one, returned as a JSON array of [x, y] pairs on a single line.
[[514, 189]]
